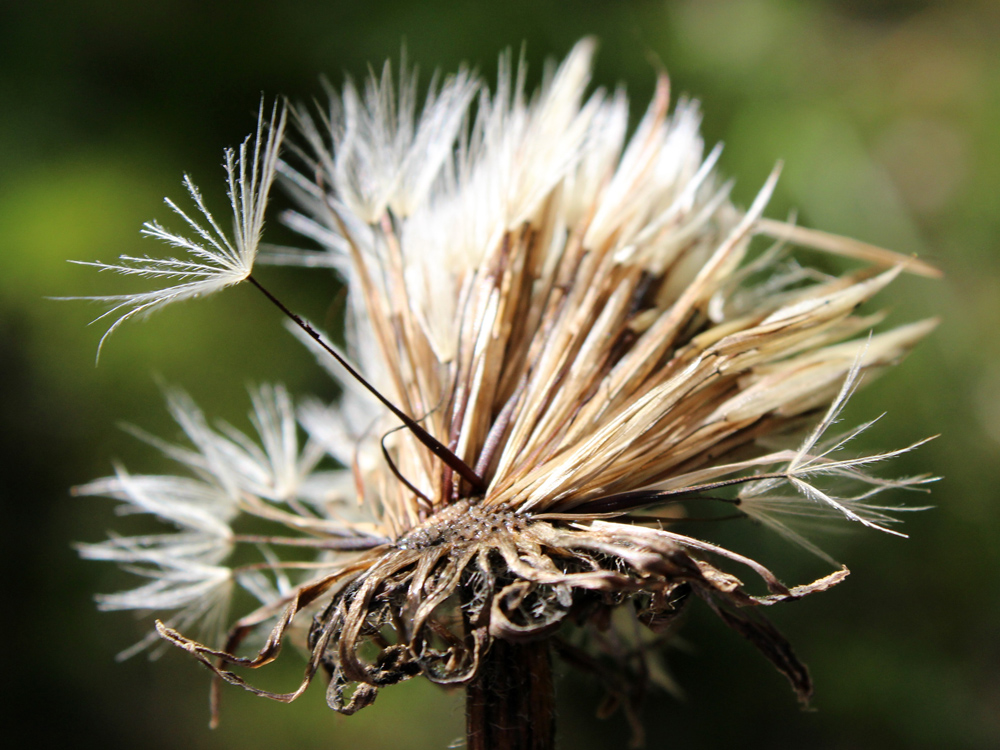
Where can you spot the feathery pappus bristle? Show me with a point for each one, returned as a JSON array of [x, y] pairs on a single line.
[[579, 338], [213, 259]]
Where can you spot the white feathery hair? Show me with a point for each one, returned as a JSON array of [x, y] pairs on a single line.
[[213, 259]]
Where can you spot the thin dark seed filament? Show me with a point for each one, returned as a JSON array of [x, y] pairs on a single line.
[[432, 443], [345, 544]]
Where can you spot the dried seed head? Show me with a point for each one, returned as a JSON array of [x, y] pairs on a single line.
[[581, 327]]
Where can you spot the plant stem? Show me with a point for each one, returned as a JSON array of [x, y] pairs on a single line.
[[510, 705]]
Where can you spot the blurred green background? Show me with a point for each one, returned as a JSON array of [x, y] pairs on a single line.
[[886, 114]]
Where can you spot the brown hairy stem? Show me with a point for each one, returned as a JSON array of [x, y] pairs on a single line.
[[510, 705]]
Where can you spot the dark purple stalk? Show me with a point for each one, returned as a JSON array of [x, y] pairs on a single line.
[[510, 705]]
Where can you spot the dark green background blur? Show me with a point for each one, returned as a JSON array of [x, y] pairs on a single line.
[[886, 115]]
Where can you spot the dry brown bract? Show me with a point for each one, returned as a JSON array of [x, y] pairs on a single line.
[[517, 579]]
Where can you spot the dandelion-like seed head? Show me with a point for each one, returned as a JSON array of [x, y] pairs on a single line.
[[580, 342]]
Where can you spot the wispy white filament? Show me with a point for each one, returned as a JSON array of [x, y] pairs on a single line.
[[213, 259], [188, 570]]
